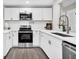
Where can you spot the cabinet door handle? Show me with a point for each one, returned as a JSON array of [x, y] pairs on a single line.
[[9, 37], [49, 42]]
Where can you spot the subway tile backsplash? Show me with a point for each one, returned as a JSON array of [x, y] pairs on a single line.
[[15, 25]]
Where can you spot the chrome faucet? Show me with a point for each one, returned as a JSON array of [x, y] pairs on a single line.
[[64, 23]]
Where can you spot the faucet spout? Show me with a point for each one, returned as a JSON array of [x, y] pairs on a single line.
[[65, 22]]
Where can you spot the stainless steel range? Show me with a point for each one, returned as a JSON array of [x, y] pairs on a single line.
[[25, 36]]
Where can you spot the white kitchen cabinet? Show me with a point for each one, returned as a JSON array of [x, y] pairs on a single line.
[[25, 10], [11, 13], [44, 43], [42, 13], [37, 13], [5, 37], [36, 38], [7, 42], [47, 14], [7, 13], [42, 40], [15, 38], [51, 45], [56, 46], [10, 40], [4, 45]]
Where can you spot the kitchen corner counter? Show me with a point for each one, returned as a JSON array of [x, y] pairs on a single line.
[[68, 39]]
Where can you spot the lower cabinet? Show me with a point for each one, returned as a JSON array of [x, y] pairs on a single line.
[[10, 39], [36, 38], [15, 38], [51, 46], [56, 45], [46, 47], [7, 42]]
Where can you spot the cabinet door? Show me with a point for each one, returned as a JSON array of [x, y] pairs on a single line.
[[7, 42], [42, 40], [15, 38], [56, 46], [7, 13], [35, 38], [25, 10], [5, 37], [15, 13], [45, 44], [11, 13], [57, 53], [37, 13], [47, 13], [48, 46]]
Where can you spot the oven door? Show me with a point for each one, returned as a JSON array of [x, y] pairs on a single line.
[[25, 37]]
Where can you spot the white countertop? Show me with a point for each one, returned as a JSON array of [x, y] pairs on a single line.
[[6, 31], [68, 39]]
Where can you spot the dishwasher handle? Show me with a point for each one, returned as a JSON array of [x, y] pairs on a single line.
[[70, 48]]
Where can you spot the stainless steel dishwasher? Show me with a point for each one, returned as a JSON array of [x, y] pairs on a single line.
[[69, 50]]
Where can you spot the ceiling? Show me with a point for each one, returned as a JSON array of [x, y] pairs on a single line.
[[31, 2], [36, 2], [68, 2]]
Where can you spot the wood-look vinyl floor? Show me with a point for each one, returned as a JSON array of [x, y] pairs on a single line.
[[26, 53]]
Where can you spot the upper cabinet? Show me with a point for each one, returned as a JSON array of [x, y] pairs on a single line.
[[47, 14], [42, 13], [37, 13], [11, 14]]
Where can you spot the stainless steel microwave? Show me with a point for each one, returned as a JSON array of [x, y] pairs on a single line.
[[25, 16]]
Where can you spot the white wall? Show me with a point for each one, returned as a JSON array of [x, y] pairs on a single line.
[[72, 19], [56, 15]]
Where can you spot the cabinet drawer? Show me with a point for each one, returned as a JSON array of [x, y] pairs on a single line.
[[56, 42]]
